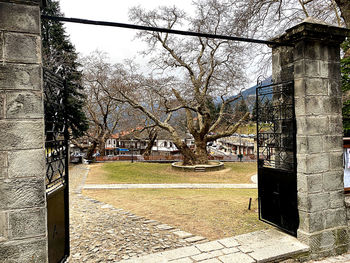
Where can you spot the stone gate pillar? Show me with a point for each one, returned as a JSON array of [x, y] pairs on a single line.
[[314, 64], [23, 231]]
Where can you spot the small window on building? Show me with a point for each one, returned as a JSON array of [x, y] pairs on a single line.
[[165, 144]]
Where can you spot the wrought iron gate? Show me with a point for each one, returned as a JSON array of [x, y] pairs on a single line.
[[276, 141], [56, 146]]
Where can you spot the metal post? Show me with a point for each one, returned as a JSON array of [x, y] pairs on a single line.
[[66, 189], [132, 151], [240, 144]]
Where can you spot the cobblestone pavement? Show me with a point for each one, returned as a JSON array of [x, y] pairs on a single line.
[[102, 233], [345, 258]]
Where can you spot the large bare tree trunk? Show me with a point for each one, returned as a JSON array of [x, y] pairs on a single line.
[[152, 138], [201, 152], [102, 144], [101, 148], [189, 157], [200, 156]]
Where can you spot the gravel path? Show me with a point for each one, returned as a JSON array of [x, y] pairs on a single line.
[[102, 233]]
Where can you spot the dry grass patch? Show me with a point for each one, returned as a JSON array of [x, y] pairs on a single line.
[[97, 175], [126, 172], [212, 213]]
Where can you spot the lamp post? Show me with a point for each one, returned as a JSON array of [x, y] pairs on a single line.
[[132, 150]]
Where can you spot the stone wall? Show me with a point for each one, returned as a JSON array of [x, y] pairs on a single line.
[[314, 64], [23, 230], [347, 204]]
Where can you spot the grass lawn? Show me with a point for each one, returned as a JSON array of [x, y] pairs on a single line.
[[212, 213], [126, 172]]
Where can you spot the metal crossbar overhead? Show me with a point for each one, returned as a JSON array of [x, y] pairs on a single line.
[[162, 30]]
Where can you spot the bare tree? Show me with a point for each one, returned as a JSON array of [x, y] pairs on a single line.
[[103, 113], [344, 7], [211, 67], [268, 18], [338, 8], [196, 70]]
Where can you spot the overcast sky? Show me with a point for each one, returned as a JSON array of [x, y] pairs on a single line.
[[118, 42]]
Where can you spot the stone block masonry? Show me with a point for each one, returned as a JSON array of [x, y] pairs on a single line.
[[23, 227], [314, 64]]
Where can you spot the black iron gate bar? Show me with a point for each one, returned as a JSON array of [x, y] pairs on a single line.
[[276, 149], [57, 170], [56, 142], [163, 30], [270, 115]]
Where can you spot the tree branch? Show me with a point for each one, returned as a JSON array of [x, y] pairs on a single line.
[[177, 58], [302, 3], [230, 130]]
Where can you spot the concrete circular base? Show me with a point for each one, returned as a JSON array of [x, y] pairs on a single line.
[[212, 166]]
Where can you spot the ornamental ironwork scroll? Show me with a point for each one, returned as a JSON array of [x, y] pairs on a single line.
[[276, 126], [55, 130], [276, 141]]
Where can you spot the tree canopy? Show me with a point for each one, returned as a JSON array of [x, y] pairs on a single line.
[[194, 71], [103, 113]]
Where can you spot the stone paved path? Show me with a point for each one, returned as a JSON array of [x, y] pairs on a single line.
[[102, 233], [261, 246]]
